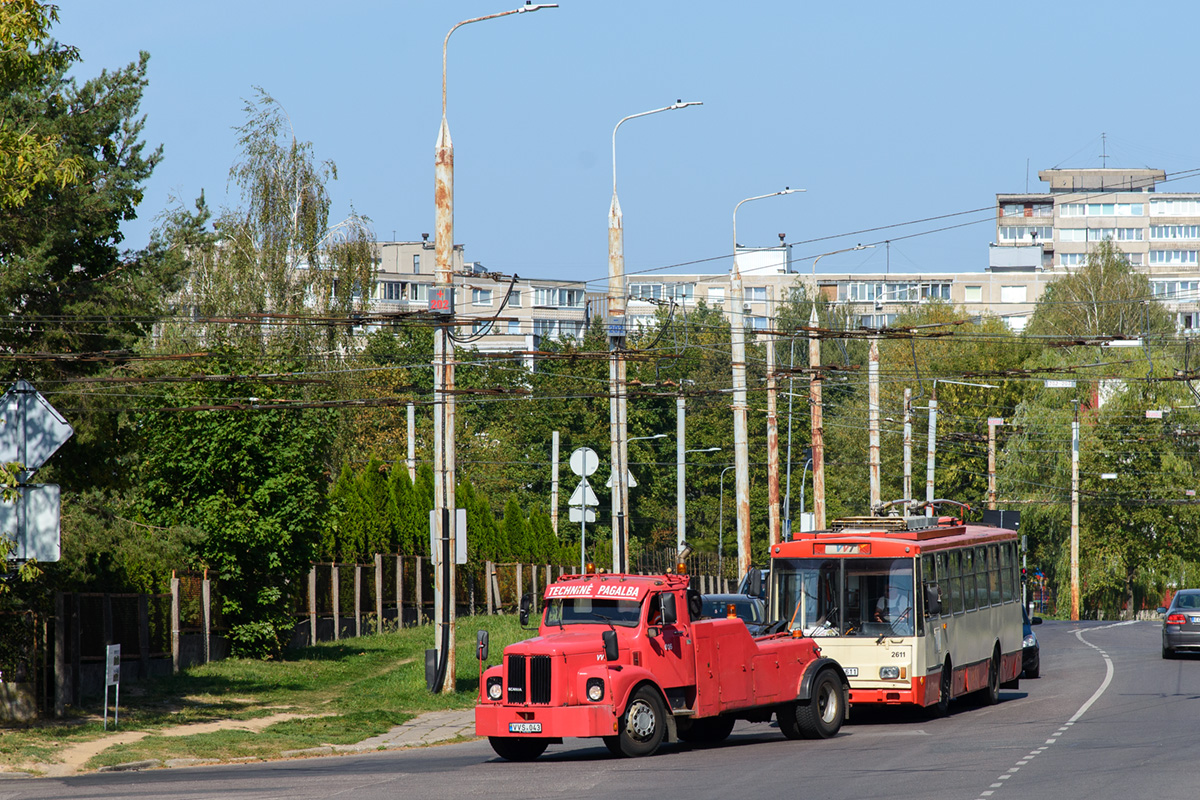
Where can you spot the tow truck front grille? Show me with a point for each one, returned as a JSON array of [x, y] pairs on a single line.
[[535, 686]]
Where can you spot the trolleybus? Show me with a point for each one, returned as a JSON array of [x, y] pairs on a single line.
[[917, 610]]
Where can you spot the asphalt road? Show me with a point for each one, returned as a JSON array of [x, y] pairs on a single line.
[[1109, 719]]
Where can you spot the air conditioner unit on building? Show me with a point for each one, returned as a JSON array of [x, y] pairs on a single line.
[[747, 306]]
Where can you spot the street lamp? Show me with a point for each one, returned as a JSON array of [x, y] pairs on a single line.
[[741, 453], [721, 525], [680, 502], [617, 414], [442, 302], [835, 252]]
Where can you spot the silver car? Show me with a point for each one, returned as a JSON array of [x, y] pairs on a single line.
[[1181, 623]]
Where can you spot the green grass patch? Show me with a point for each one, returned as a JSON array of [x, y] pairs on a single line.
[[364, 686]]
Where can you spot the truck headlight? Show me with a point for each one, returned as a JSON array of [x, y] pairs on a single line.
[[595, 689], [889, 673], [494, 688]]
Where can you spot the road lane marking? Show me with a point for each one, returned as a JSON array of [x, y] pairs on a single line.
[[1108, 676]]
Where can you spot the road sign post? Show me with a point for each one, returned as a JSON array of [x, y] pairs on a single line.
[[112, 677], [584, 462]]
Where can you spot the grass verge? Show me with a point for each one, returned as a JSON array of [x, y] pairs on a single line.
[[343, 692]]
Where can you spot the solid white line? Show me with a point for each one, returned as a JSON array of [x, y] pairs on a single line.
[[1108, 674]]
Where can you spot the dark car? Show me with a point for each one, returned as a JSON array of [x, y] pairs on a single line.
[[1181, 623], [1031, 651], [750, 610]]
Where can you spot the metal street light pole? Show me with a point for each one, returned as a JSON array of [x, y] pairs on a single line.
[[617, 413], [741, 453], [721, 525], [680, 502], [442, 301]]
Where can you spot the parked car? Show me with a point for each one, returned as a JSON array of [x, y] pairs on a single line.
[[1181, 623], [1031, 651], [750, 610]]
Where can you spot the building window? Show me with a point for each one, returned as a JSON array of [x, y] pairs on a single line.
[[756, 294], [571, 298], [1072, 259], [391, 291], [514, 298], [481, 297], [973, 294], [757, 323], [1013, 294], [514, 327], [1072, 234], [1131, 234], [1168, 232], [1135, 259], [1172, 257], [645, 291], [681, 292], [1175, 207], [419, 291], [716, 295], [416, 263], [545, 296], [481, 327], [1016, 323], [1026, 233], [935, 291], [1102, 209], [1175, 290]]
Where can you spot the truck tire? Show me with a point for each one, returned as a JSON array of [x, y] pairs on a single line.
[[512, 748], [786, 716], [821, 716], [643, 724], [709, 730]]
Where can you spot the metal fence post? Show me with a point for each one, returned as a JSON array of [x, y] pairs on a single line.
[[174, 624], [420, 583], [312, 604], [358, 599], [399, 591]]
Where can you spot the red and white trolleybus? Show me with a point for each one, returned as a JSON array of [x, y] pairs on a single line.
[[917, 610]]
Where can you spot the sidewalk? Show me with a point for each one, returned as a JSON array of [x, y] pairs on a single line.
[[429, 728]]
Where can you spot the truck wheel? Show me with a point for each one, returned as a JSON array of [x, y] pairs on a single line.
[[643, 724], [710, 730], [786, 716], [823, 714], [512, 748]]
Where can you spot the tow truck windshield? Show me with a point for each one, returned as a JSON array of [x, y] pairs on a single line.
[[592, 611], [846, 596]]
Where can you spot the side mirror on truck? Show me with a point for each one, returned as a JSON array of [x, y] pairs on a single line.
[[933, 599], [670, 614], [481, 645], [523, 609], [609, 638], [755, 587]]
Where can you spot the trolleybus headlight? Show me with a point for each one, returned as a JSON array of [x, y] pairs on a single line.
[[889, 673], [595, 689], [494, 688]]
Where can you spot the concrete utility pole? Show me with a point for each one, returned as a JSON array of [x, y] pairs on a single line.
[[992, 464], [931, 451], [554, 481], [773, 517], [680, 449], [412, 443], [741, 453], [818, 430], [908, 445], [876, 499], [617, 411], [442, 302], [1075, 514]]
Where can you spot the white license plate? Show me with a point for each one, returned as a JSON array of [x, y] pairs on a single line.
[[524, 727], [1194, 619], [851, 672]]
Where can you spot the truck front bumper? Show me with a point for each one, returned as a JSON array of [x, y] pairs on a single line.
[[545, 721]]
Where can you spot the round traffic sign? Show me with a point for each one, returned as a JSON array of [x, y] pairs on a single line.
[[584, 461]]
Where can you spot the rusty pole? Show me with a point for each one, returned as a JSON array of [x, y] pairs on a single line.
[[773, 518], [741, 453], [931, 451], [443, 380], [618, 418], [818, 431], [876, 499], [1075, 515]]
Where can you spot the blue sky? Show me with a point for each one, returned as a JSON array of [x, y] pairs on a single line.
[[884, 113]]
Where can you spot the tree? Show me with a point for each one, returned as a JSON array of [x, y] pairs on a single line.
[[31, 65], [253, 483], [1106, 297], [277, 257]]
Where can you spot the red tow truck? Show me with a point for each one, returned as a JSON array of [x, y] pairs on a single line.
[[629, 659]]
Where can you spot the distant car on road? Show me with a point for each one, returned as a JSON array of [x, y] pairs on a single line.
[[1181, 623], [1031, 651], [750, 610]]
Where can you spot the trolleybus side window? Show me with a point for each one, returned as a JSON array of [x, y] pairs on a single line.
[[968, 573], [994, 574], [1008, 574], [982, 575], [954, 562]]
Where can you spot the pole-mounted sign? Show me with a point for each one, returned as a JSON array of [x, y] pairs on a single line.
[[31, 431]]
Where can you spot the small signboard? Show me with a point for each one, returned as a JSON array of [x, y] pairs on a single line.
[[1154, 413], [460, 537], [577, 514], [995, 420], [1059, 384], [112, 677], [441, 299]]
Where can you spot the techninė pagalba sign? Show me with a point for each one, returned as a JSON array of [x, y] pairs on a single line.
[[606, 591]]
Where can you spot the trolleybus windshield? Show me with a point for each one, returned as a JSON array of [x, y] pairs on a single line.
[[846, 596]]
